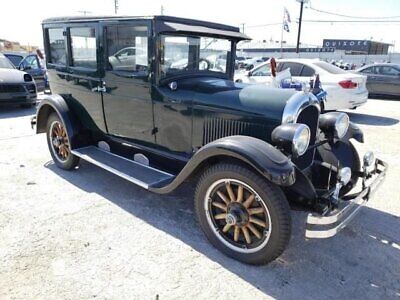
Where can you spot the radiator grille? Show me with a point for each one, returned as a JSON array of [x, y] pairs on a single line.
[[215, 128], [11, 88]]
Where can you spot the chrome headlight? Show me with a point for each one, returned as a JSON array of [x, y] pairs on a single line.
[[369, 159], [344, 175], [293, 138], [334, 124]]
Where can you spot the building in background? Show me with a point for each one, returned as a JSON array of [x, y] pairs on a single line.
[[358, 46], [6, 45]]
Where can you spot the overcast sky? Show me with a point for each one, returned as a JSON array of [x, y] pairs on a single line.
[[20, 20]]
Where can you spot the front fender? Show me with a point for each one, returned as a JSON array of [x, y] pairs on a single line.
[[261, 156], [56, 103], [354, 132]]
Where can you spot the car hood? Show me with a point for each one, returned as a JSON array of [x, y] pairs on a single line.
[[255, 100], [11, 76]]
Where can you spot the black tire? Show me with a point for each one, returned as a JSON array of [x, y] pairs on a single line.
[[70, 161], [271, 196]]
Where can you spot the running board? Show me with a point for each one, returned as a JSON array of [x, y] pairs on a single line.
[[141, 175]]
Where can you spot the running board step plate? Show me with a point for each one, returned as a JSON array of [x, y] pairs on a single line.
[[139, 174]]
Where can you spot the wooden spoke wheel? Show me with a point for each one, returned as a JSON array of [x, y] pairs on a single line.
[[242, 213], [239, 217], [59, 141]]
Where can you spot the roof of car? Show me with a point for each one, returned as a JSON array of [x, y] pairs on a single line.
[[69, 19], [380, 65]]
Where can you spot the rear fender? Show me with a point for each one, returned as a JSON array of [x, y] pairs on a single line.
[[56, 103]]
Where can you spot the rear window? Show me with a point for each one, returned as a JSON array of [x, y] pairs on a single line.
[[15, 59], [83, 46], [57, 46], [307, 71], [330, 68]]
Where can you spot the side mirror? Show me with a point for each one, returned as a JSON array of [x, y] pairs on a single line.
[[24, 68], [248, 73]]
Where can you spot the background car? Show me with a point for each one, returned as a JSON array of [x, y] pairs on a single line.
[[344, 89], [16, 87], [382, 79], [31, 64]]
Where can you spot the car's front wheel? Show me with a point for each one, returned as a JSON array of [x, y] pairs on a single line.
[[242, 214], [59, 143]]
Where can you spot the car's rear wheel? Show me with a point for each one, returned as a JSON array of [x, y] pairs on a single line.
[[242, 214], [59, 144]]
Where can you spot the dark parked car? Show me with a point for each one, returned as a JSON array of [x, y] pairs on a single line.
[[252, 149], [31, 64], [382, 79], [16, 87]]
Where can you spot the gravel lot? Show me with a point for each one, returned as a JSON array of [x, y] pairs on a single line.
[[88, 233]]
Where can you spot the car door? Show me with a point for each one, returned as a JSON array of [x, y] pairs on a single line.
[[128, 106], [261, 74], [372, 79], [388, 80], [31, 65]]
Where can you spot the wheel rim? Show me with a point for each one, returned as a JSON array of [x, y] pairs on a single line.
[[237, 215], [59, 141]]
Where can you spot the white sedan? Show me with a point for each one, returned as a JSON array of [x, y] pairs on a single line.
[[344, 89]]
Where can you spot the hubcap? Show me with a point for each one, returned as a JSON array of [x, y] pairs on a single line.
[[59, 140], [237, 214]]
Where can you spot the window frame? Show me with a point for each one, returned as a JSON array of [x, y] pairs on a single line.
[[304, 67], [133, 23], [70, 64], [47, 46]]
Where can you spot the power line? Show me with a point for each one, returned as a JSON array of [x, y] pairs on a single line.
[[347, 16], [264, 25], [352, 21]]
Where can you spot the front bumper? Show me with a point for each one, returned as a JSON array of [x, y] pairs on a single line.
[[328, 225]]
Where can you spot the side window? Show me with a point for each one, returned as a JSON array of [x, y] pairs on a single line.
[[388, 70], [127, 48], [295, 68], [31, 61], [369, 70], [57, 46], [83, 46], [265, 70], [307, 72]]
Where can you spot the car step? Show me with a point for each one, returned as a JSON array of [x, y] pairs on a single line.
[[139, 174]]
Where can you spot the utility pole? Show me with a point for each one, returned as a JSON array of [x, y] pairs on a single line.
[[116, 7], [301, 17]]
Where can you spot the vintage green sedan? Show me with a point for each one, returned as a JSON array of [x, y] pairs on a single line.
[[152, 100]]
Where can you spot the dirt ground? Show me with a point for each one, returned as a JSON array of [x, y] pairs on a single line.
[[89, 234]]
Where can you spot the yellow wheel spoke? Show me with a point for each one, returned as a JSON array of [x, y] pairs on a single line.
[[249, 201], [246, 235], [223, 197], [254, 230], [236, 233], [258, 222], [254, 211], [230, 192], [226, 228], [220, 216], [240, 194], [219, 205]]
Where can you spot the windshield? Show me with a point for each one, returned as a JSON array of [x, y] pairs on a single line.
[[184, 54], [330, 68], [5, 63]]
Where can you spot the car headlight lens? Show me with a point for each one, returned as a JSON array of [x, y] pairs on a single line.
[[342, 125], [301, 140], [369, 159], [334, 124], [293, 138], [344, 175]]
